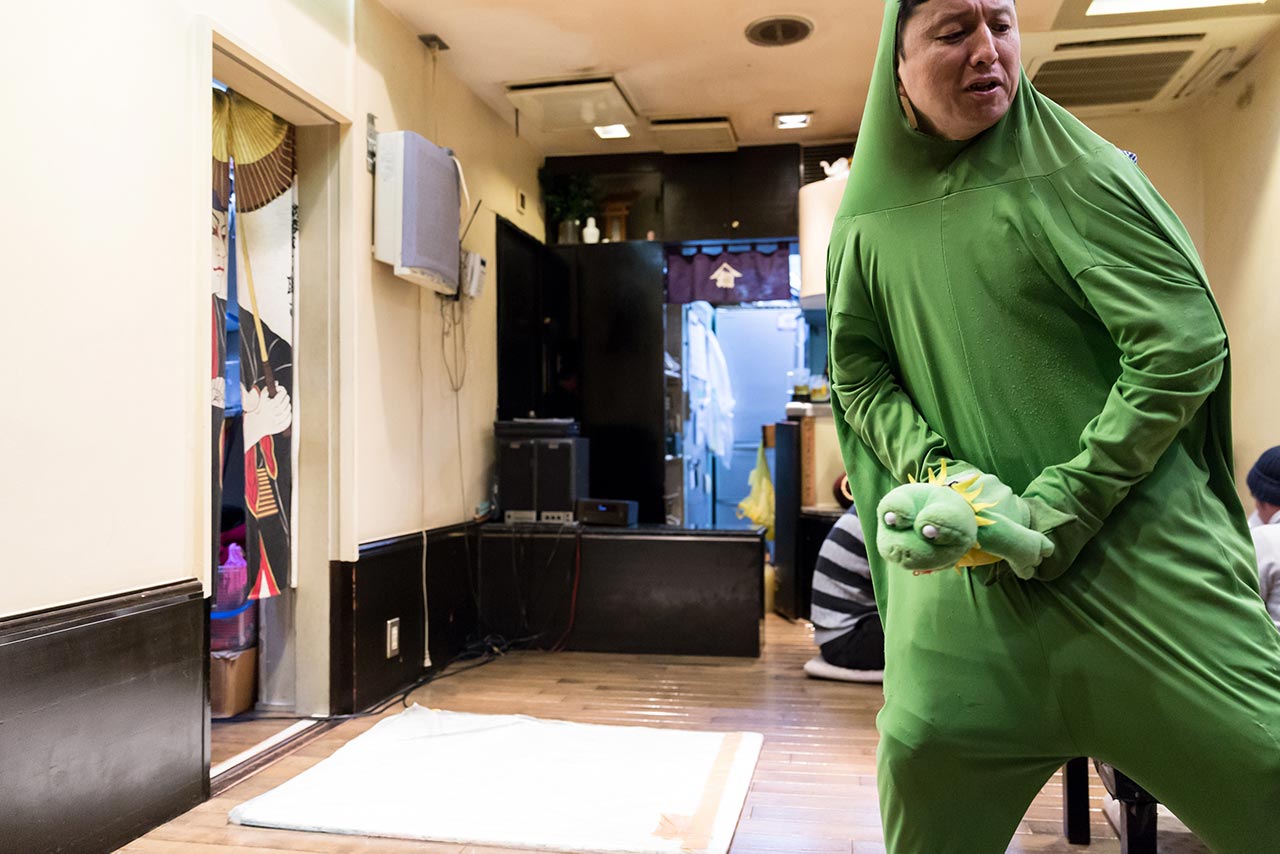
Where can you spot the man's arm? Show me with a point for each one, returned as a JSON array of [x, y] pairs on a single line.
[[1157, 309], [875, 406]]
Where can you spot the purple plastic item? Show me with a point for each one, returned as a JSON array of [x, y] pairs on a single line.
[[233, 622]]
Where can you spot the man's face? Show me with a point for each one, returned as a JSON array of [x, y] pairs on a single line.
[[960, 64]]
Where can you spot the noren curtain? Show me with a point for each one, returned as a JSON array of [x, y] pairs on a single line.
[[255, 188]]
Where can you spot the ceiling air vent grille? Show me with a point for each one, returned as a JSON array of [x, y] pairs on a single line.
[[1109, 79], [1132, 41], [687, 136]]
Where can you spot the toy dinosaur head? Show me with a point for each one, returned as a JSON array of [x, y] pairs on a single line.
[[925, 526]]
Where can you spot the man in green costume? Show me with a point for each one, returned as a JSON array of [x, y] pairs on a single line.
[[1008, 292]]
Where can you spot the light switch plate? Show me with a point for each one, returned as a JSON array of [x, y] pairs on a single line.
[[393, 637]]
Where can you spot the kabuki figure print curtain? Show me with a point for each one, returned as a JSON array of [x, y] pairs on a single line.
[[255, 191]]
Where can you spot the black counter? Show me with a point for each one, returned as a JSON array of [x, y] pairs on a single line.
[[647, 589]]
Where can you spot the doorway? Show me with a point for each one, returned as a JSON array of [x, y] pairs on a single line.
[[764, 347], [736, 342], [290, 315]]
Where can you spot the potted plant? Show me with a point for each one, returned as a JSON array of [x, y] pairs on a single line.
[[569, 199]]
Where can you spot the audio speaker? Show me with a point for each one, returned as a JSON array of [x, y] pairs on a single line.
[[562, 466], [517, 476]]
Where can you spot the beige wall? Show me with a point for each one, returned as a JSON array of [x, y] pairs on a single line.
[[407, 452], [1167, 152], [1239, 140], [106, 168]]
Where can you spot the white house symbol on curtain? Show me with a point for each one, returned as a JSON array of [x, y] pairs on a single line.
[[725, 276]]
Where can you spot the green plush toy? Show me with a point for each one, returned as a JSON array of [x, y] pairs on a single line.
[[939, 523]]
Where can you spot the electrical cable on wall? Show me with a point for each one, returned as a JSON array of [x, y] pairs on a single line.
[[422, 473]]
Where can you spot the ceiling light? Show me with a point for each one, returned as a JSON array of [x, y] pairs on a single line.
[[791, 121], [1133, 7], [613, 132]]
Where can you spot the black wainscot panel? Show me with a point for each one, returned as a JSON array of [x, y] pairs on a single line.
[[387, 583], [104, 714], [670, 591], [384, 584], [524, 580]]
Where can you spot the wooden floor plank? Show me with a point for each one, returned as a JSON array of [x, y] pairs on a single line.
[[813, 791]]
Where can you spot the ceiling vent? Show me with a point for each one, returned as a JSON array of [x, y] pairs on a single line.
[[778, 32], [1143, 68], [1100, 80], [689, 136], [572, 104]]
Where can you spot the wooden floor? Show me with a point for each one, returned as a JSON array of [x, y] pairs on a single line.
[[813, 791], [229, 737]]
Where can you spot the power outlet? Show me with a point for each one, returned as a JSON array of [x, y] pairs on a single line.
[[393, 637]]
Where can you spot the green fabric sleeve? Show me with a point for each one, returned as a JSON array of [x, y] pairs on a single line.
[[1172, 345], [876, 408]]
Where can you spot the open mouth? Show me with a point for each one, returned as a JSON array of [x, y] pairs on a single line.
[[985, 86]]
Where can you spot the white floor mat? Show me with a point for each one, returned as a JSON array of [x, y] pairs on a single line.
[[522, 782]]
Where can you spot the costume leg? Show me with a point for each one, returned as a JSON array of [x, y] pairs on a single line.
[[970, 730], [1174, 678], [939, 798]]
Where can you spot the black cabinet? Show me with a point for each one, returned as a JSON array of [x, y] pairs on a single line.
[[645, 590], [799, 534], [580, 335], [617, 290], [536, 335], [750, 194]]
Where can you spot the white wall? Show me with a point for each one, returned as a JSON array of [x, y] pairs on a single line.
[[408, 457], [1168, 153], [1239, 140], [104, 344], [1218, 165]]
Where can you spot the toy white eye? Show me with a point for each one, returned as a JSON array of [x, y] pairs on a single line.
[[929, 532], [891, 519]]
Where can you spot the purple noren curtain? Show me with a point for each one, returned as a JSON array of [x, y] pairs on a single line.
[[729, 278]]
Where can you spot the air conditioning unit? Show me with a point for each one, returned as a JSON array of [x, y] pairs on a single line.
[[416, 213], [1145, 68]]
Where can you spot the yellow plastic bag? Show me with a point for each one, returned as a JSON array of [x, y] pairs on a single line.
[[759, 503]]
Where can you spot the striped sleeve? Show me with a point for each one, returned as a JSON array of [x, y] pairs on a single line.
[[842, 592]]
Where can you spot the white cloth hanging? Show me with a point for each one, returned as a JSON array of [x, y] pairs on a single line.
[[711, 391]]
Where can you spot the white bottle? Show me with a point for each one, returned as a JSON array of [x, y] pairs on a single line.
[[590, 234]]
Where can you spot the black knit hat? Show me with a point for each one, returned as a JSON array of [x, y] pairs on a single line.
[[1264, 477]]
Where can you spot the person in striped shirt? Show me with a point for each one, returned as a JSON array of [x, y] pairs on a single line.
[[846, 624]]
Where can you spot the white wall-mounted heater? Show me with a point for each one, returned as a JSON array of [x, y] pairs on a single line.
[[416, 210]]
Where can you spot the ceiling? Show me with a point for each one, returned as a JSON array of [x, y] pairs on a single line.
[[690, 58]]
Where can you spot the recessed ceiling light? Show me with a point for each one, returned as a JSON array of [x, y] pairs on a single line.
[[613, 132], [791, 121], [1133, 7]]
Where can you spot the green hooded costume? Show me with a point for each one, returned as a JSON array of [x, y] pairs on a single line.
[[1026, 303]]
